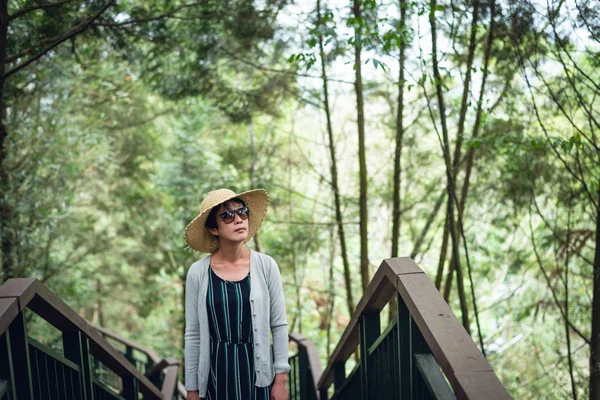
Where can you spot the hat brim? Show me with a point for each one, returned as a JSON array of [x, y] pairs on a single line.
[[199, 238]]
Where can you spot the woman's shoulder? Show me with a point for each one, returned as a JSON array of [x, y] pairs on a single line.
[[199, 267], [264, 260]]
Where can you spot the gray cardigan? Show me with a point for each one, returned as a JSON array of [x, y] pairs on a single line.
[[268, 316]]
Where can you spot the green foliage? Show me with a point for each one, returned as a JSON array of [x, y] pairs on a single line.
[[116, 136]]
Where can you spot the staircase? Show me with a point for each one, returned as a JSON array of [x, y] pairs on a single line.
[[423, 353], [94, 363]]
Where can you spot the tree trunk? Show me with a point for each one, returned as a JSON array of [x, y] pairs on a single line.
[[6, 213], [399, 136], [466, 86], [334, 176], [298, 283], [566, 288], [458, 148], [443, 254], [477, 124], [396, 222], [362, 159], [449, 169], [331, 299], [183, 279], [459, 136], [252, 175], [595, 339], [99, 303], [419, 242]]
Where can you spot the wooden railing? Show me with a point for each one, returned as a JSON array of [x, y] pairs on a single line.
[[96, 363], [303, 377], [162, 373], [405, 360], [305, 369], [31, 370], [302, 383]]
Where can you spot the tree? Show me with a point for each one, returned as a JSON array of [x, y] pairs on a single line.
[[358, 23]]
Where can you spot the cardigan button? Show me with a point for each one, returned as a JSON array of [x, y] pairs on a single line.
[[258, 370]]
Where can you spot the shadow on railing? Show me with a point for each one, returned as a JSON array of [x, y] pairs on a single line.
[[404, 361], [30, 370]]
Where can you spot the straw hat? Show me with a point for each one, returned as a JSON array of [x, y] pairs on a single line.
[[197, 235]]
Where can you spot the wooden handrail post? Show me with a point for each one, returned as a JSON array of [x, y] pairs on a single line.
[[339, 375], [6, 364], [129, 355], [405, 357], [323, 394], [418, 346], [130, 387], [76, 349], [370, 329], [303, 364], [20, 358], [149, 364]]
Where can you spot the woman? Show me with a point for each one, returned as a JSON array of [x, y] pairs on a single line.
[[233, 304]]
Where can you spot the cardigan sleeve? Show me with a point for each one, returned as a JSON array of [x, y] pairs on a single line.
[[192, 331], [279, 328]]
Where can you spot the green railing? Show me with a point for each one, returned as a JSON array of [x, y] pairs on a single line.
[[88, 367], [404, 360]]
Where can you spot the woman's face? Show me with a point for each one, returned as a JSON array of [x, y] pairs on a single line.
[[236, 231]]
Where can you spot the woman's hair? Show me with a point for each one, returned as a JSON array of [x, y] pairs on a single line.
[[211, 220]]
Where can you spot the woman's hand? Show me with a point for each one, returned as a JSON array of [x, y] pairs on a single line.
[[193, 395], [279, 390]]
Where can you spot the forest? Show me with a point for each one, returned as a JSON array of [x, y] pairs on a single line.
[[464, 134]]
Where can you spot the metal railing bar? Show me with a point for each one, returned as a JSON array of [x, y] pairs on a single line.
[[3, 388], [309, 353], [136, 346], [433, 377], [9, 309], [52, 353], [436, 325], [32, 293], [354, 374], [106, 388], [377, 295], [383, 336]]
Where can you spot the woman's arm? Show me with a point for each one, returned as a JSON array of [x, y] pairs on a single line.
[[192, 331], [278, 322], [279, 390], [279, 330]]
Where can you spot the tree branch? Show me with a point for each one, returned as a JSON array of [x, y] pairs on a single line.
[[549, 284], [72, 33], [279, 71], [44, 6], [151, 19]]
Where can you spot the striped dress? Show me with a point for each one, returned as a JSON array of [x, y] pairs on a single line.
[[232, 374]]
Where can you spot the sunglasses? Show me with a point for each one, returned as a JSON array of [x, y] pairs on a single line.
[[229, 215]]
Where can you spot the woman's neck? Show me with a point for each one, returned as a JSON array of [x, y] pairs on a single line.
[[232, 252]]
